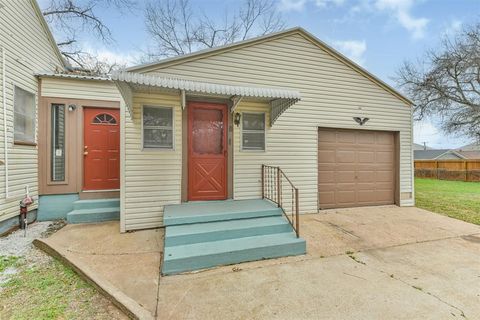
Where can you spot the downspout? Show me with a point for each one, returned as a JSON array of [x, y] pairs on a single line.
[[5, 142]]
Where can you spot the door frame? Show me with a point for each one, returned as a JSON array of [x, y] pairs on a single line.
[[94, 194], [74, 148], [185, 144]]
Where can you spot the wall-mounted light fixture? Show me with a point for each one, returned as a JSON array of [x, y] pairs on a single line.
[[361, 121], [72, 107], [236, 119]]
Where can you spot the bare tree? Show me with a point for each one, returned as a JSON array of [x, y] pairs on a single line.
[[71, 17], [446, 83], [177, 28]]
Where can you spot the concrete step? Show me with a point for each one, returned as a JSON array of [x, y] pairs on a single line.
[[209, 211], [230, 229], [96, 203], [93, 215], [203, 255]]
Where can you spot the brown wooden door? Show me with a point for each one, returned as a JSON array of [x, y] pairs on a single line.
[[355, 168], [101, 149], [207, 151]]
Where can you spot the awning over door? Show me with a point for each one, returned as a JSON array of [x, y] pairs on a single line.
[[279, 99]]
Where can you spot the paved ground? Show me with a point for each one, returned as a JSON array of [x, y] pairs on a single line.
[[365, 263]]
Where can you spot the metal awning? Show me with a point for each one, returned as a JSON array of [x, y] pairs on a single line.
[[279, 99]]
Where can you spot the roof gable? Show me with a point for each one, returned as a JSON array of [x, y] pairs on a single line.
[[254, 41]]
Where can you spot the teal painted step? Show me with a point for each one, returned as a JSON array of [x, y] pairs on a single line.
[[230, 229], [96, 203], [93, 215], [208, 211], [51, 207], [210, 254]]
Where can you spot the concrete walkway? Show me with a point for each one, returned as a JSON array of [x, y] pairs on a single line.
[[365, 263]]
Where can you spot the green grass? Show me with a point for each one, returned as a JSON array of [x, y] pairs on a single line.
[[49, 291], [456, 199], [7, 262]]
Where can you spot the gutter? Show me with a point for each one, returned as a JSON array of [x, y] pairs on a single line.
[[5, 133]]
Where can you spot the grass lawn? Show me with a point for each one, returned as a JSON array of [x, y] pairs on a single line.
[[49, 290], [456, 199]]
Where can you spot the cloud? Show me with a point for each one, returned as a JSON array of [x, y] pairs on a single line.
[[453, 27], [429, 132], [107, 55], [324, 3], [292, 5], [400, 9], [353, 49]]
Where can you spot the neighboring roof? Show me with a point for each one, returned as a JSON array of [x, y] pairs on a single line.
[[248, 42], [475, 146], [417, 146], [469, 154], [73, 76], [47, 30], [434, 154]]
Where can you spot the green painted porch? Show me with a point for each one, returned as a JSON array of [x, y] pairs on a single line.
[[206, 234]]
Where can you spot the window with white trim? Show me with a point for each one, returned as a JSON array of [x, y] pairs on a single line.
[[253, 131], [157, 127], [24, 116]]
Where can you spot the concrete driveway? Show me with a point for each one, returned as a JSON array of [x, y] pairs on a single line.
[[364, 263]]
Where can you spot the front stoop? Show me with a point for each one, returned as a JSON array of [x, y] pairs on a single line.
[[92, 211], [204, 235]]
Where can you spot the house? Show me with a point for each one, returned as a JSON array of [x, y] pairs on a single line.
[[282, 117], [470, 151], [438, 154], [26, 47], [417, 146]]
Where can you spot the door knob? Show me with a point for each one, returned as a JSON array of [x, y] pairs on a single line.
[[85, 153]]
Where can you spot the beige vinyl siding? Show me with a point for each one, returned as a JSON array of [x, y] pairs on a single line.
[[80, 89], [28, 50], [332, 93], [153, 176]]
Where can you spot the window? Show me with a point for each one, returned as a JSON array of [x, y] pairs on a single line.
[[24, 116], [104, 118], [157, 127], [58, 142], [253, 131]]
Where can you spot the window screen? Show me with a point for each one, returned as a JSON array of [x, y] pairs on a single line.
[[157, 127], [253, 131], [24, 116]]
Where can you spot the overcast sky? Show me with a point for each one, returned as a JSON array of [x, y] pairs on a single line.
[[378, 34]]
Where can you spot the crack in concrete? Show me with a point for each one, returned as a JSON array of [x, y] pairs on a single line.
[[462, 313], [392, 276]]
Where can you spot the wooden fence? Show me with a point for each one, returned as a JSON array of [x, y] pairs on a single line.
[[463, 170]]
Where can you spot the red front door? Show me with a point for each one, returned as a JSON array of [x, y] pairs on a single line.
[[207, 151], [101, 149]]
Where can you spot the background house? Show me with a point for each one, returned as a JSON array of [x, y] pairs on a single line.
[[437, 154]]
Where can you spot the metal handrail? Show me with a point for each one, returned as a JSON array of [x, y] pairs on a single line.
[[273, 189]]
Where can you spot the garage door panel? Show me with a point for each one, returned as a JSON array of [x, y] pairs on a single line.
[[344, 197], [366, 156], [362, 172], [345, 176], [326, 156], [384, 157], [345, 137], [345, 156]]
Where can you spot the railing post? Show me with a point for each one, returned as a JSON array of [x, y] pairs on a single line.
[[278, 186], [263, 181], [297, 217]]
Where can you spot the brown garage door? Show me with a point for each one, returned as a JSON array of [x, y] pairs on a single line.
[[355, 168]]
